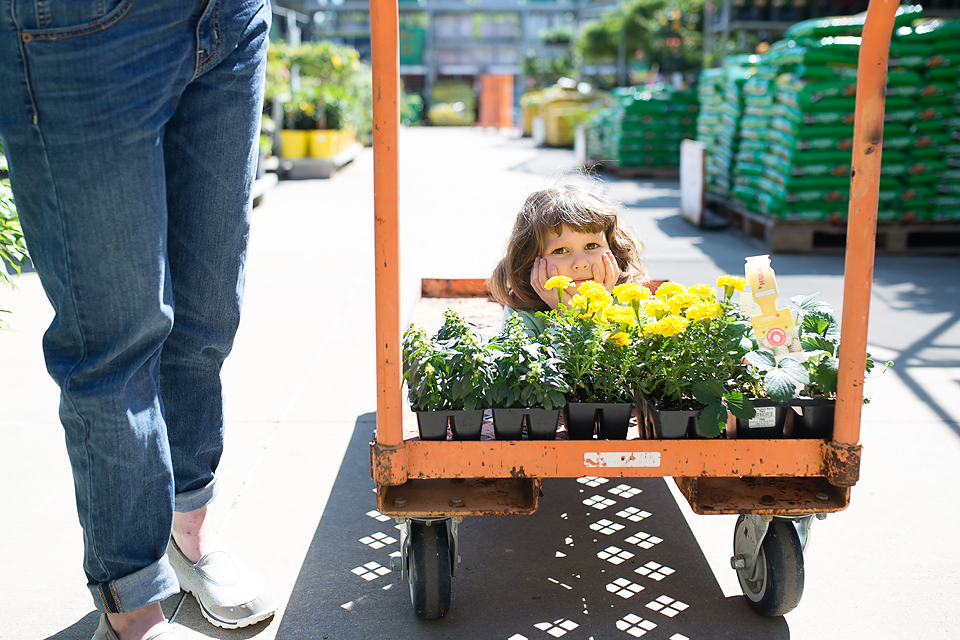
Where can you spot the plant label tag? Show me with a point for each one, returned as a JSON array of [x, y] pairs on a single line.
[[597, 459], [773, 327], [766, 417]]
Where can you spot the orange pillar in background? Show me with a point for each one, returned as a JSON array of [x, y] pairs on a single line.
[[496, 100]]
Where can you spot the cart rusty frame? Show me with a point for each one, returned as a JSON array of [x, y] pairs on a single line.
[[499, 477]]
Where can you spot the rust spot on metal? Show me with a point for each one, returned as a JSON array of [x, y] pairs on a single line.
[[869, 150], [518, 472], [842, 463]]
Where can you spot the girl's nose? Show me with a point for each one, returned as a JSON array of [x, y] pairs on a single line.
[[580, 263]]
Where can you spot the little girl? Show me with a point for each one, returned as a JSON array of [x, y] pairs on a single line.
[[563, 231]]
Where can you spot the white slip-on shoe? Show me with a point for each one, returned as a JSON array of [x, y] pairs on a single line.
[[106, 632], [230, 594]]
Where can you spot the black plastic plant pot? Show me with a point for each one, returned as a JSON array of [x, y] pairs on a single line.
[[814, 417], [508, 423], [432, 424], [614, 420], [673, 424], [542, 424], [466, 425], [766, 424], [581, 420]]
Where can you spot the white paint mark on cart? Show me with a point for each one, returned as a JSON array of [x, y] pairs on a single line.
[[597, 459]]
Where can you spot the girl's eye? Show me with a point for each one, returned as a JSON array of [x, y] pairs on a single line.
[[559, 250], [593, 245]]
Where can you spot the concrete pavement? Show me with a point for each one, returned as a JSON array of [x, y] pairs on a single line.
[[296, 497]]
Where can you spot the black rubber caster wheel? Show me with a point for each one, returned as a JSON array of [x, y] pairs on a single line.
[[429, 568], [775, 584]]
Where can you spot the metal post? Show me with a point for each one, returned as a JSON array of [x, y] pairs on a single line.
[[385, 44], [862, 219]]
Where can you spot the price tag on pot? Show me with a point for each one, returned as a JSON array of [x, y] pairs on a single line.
[[766, 417]]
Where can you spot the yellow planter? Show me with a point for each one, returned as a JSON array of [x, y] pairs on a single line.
[[324, 143], [293, 144]]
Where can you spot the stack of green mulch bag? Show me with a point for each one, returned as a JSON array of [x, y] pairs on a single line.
[[796, 131], [718, 123], [645, 129]]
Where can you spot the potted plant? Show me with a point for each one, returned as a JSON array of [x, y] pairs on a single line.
[[527, 386], [806, 380], [590, 335], [449, 376], [686, 359]]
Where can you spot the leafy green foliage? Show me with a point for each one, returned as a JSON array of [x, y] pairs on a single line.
[[527, 373], [667, 369], [13, 249], [324, 86], [667, 32], [451, 370], [596, 368], [815, 371], [717, 401]]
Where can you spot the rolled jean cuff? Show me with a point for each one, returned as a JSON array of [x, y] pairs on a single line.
[[192, 500], [154, 583]]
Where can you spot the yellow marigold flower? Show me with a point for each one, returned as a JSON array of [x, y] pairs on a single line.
[[669, 289], [672, 325], [621, 339], [702, 290], [631, 292], [652, 327], [657, 309], [729, 284], [682, 301], [558, 282], [579, 301], [703, 311], [592, 289], [616, 314]]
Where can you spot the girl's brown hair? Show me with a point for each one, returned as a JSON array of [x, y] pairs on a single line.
[[546, 212]]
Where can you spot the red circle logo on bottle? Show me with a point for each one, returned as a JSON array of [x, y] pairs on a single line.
[[777, 337]]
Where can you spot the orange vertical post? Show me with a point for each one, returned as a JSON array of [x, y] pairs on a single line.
[[385, 43], [862, 220]]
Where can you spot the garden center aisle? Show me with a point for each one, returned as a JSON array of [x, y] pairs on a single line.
[[297, 501]]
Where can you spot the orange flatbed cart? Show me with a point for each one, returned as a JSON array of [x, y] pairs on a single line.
[[428, 485]]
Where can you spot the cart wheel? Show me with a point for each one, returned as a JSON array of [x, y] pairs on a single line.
[[775, 584], [429, 568]]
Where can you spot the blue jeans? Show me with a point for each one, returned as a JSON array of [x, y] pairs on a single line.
[[131, 130]]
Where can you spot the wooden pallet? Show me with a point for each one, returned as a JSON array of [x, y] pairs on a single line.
[[783, 236], [672, 173]]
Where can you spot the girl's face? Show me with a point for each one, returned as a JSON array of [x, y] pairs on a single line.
[[574, 254]]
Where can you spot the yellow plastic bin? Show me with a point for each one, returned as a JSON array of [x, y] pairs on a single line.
[[324, 143], [293, 144]]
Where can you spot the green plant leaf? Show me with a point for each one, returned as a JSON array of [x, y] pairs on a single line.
[[708, 392], [712, 420], [739, 405], [779, 385], [826, 375], [795, 369], [762, 360]]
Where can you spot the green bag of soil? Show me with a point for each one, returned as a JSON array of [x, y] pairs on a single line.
[[848, 25]]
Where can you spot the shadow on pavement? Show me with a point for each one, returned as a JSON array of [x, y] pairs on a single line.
[[601, 558], [82, 628]]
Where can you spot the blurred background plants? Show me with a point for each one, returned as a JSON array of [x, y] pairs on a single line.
[[322, 85], [13, 249]]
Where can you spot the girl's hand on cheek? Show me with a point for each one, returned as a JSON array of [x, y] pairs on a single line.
[[539, 277], [609, 273]]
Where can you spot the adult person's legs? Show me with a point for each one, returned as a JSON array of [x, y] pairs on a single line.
[[112, 185]]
